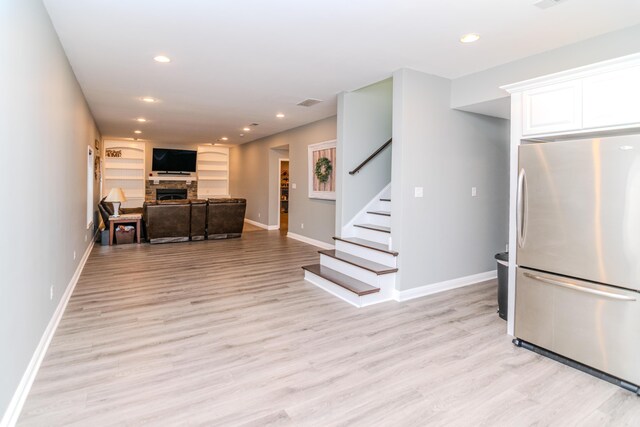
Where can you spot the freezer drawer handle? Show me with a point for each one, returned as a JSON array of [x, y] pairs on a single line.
[[579, 288]]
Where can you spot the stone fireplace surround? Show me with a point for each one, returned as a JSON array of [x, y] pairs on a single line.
[[150, 188]]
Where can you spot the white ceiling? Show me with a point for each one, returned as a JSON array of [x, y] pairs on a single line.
[[235, 62]]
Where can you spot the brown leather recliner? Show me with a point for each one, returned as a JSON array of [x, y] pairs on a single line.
[[167, 220], [198, 219], [225, 218]]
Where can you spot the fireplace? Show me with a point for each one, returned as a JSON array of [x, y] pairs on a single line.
[[171, 193]]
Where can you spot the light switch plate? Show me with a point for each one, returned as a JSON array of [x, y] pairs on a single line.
[[418, 192], [474, 191], [293, 186]]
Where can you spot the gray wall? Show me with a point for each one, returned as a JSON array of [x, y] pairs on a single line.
[[485, 86], [364, 124], [447, 234], [45, 127], [254, 176]]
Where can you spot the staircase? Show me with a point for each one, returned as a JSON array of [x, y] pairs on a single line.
[[362, 268]]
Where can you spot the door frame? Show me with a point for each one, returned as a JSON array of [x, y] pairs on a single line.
[[279, 189]]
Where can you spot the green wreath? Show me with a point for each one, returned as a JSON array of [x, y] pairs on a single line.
[[323, 169]]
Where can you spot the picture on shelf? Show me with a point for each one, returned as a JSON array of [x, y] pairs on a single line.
[[322, 175]]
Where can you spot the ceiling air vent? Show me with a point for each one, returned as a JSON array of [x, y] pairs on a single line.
[[546, 4], [309, 102]]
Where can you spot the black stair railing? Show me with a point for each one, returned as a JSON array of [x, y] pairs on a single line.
[[371, 157]]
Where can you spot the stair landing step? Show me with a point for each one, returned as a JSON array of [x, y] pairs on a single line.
[[385, 200], [371, 266], [349, 283], [367, 244], [374, 227], [383, 213]]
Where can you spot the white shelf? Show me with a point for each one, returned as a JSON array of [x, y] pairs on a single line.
[[213, 171], [132, 178], [124, 166], [131, 166], [211, 178], [222, 168]]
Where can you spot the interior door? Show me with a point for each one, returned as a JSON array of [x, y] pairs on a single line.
[[579, 209]]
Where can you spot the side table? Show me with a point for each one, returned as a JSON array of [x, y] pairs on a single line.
[[127, 218]]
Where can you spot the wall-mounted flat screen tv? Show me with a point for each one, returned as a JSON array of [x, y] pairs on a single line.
[[167, 160]]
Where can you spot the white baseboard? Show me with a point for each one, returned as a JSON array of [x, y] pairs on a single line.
[[261, 225], [310, 241], [10, 417], [447, 285]]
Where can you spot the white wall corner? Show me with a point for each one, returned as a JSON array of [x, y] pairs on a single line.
[[447, 285], [261, 225], [310, 241], [10, 417]]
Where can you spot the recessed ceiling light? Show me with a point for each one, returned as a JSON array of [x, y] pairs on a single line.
[[141, 119], [242, 134], [279, 115], [224, 138], [470, 38], [148, 99], [163, 59], [137, 131], [246, 129]]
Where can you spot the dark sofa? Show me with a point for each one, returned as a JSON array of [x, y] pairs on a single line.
[[225, 218], [167, 220], [182, 220]]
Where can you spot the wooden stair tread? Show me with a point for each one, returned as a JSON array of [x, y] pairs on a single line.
[[371, 266], [385, 200], [367, 244], [383, 213], [342, 280], [374, 227]]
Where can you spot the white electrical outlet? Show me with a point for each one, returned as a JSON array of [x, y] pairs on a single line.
[[418, 192], [506, 247], [74, 255], [51, 292], [258, 214], [474, 192], [293, 186], [85, 237], [302, 225]]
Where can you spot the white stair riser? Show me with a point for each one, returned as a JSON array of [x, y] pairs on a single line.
[[382, 206], [377, 220], [373, 235], [348, 296], [358, 273], [370, 254], [334, 289]]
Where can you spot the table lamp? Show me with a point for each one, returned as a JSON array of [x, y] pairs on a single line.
[[116, 196]]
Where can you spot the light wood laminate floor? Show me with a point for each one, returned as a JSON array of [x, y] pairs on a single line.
[[227, 333]]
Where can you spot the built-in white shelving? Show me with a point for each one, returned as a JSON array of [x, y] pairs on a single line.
[[126, 171], [213, 171]]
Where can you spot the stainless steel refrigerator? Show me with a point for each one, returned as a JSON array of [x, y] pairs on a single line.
[[578, 255]]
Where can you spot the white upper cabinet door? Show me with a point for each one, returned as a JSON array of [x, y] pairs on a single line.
[[553, 108], [612, 99]]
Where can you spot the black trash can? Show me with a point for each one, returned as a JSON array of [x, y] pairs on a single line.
[[503, 283]]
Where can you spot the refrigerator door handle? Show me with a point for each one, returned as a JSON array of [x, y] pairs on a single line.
[[569, 285], [522, 208]]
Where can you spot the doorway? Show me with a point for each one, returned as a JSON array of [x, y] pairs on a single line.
[[283, 192]]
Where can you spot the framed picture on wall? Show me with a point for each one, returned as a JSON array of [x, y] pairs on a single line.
[[322, 173]]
